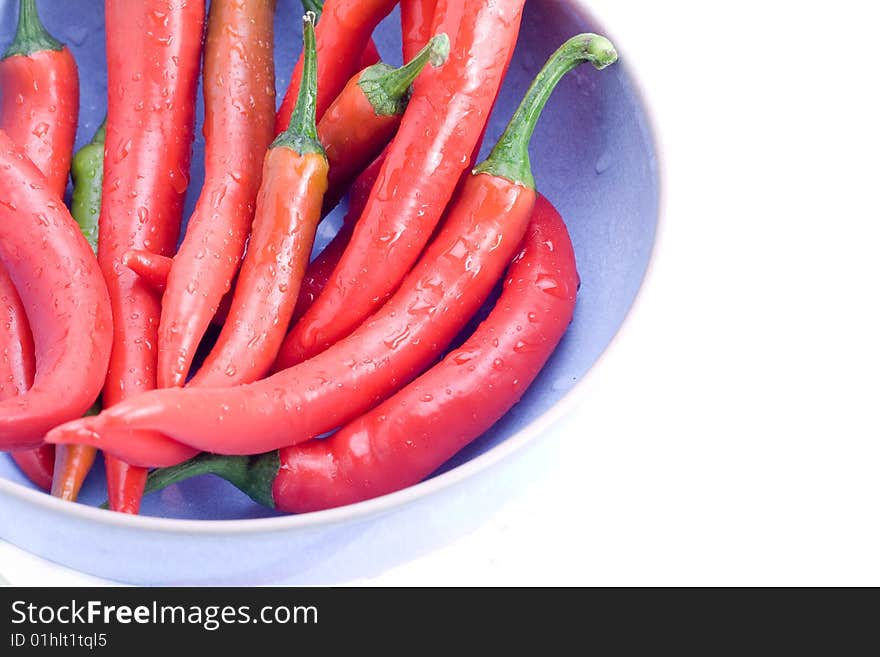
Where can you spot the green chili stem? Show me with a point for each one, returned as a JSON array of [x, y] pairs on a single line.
[[397, 83], [388, 88], [30, 36], [254, 475], [314, 6], [302, 132], [510, 157]]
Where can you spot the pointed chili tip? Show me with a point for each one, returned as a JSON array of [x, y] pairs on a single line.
[[310, 17], [602, 51], [71, 433]]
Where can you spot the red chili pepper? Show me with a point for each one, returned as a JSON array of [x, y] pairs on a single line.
[[411, 434], [239, 89], [73, 462], [64, 297], [416, 21], [342, 35], [319, 269], [153, 53], [357, 125], [369, 56], [366, 114], [40, 103], [154, 268], [421, 427], [447, 286], [40, 97], [37, 464], [287, 215], [71, 466], [424, 163], [17, 374], [16, 342]]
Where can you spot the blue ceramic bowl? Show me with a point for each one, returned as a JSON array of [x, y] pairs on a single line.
[[594, 158]]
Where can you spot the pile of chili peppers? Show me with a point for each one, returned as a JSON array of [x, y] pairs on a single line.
[[105, 335]]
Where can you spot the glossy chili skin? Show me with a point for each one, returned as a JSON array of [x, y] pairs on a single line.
[[17, 374], [411, 434], [40, 99], [352, 134], [153, 269], [37, 465], [416, 21], [343, 34], [368, 57], [319, 269], [366, 114], [16, 342], [435, 301], [64, 297], [38, 110], [424, 163], [288, 212], [72, 463], [239, 91], [153, 58], [450, 282]]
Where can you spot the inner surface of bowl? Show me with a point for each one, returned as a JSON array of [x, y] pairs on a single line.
[[593, 157]]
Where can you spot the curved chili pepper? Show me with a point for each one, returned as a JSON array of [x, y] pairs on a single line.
[[16, 342], [411, 434], [424, 164], [239, 90], [40, 103], [416, 21], [366, 114], [342, 35], [153, 53], [287, 213], [17, 374], [72, 463], [65, 299], [448, 285], [40, 97], [357, 125]]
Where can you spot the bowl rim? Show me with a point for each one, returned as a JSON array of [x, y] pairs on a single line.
[[535, 429]]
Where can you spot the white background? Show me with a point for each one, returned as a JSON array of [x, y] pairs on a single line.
[[730, 435]]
